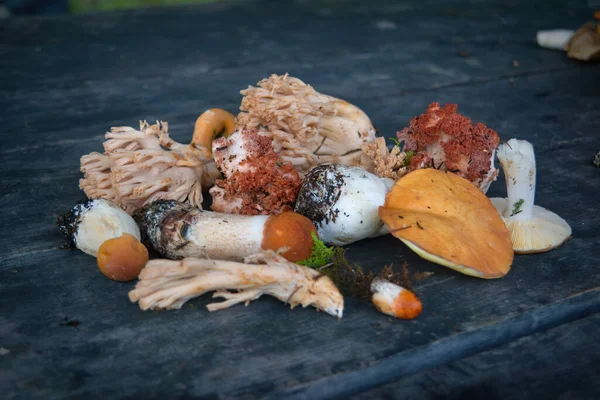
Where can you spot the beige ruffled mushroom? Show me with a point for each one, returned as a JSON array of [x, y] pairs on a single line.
[[384, 163], [168, 284], [308, 128], [140, 166]]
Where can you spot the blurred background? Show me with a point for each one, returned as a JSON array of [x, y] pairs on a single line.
[[55, 7]]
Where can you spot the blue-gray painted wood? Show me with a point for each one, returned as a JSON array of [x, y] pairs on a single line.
[[65, 81]]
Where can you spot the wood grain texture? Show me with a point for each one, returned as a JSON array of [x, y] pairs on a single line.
[[561, 363], [65, 81]]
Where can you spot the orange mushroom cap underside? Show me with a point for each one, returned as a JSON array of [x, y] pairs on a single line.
[[448, 220]]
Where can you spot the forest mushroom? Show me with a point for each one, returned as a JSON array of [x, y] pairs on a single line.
[[383, 162], [342, 202], [446, 219], [90, 223], [139, 167], [256, 180], [211, 124], [394, 300], [443, 139], [584, 45], [307, 127], [167, 284], [533, 229], [178, 230], [122, 258]]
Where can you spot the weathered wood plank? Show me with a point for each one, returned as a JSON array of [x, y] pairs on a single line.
[[121, 69], [557, 364], [57, 103]]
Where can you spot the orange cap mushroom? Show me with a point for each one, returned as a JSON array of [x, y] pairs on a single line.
[[122, 258], [291, 230], [446, 219], [211, 124]]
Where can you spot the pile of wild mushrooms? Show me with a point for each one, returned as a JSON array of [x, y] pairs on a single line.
[[295, 172]]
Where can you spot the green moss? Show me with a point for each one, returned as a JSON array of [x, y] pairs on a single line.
[[320, 254], [517, 207], [408, 156], [351, 279], [84, 6], [395, 141]]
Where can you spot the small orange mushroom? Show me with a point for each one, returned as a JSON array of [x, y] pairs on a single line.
[[394, 300], [211, 124], [291, 230], [122, 258], [446, 219]]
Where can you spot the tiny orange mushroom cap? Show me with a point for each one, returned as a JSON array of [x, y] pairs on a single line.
[[394, 300], [212, 123], [291, 230], [446, 219], [122, 258]]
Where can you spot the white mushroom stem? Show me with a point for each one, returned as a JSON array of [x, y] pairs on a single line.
[[178, 230], [556, 39], [532, 229], [518, 162], [167, 284]]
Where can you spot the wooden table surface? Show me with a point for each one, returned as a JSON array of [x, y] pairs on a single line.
[[67, 332]]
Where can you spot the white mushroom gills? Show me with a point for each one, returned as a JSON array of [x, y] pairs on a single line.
[[100, 221], [533, 229]]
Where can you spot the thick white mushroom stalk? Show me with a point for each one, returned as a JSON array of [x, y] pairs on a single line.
[[518, 162], [533, 229]]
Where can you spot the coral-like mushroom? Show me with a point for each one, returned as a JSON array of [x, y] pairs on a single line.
[[533, 229], [139, 167], [443, 139], [167, 284], [447, 220], [256, 180], [386, 163], [308, 128]]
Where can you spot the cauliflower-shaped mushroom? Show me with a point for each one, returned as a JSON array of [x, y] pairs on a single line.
[[139, 167], [307, 128]]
